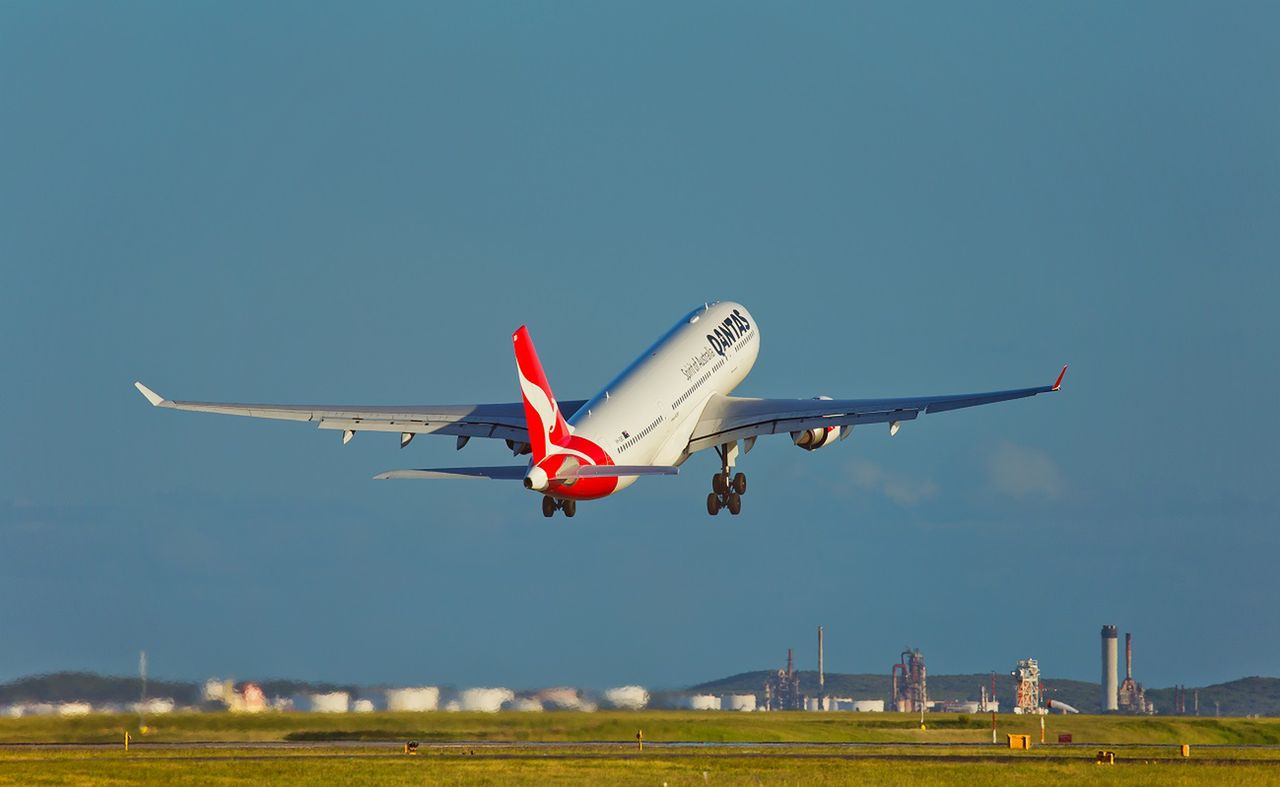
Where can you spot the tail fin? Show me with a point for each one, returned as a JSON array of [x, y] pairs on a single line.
[[546, 425]]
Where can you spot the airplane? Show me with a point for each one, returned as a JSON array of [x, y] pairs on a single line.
[[670, 403]]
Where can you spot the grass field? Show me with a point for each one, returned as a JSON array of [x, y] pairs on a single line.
[[600, 749], [622, 726]]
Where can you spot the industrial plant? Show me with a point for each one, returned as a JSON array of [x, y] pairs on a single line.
[[911, 695], [782, 689], [909, 688], [778, 690], [1028, 697], [1126, 697]]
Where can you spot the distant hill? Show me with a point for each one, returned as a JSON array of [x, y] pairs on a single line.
[[1244, 697], [88, 687], [99, 689]]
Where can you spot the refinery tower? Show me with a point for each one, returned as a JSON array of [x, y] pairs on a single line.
[[1109, 679]]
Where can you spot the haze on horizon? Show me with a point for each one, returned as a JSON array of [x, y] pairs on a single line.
[[318, 203]]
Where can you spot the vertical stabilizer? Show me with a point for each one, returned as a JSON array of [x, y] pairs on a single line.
[[546, 425]]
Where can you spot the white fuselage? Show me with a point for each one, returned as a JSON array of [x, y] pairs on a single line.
[[646, 414]]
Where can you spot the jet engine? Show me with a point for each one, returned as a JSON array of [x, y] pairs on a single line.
[[813, 439]]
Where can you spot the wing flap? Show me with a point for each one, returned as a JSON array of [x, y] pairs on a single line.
[[703, 440], [503, 421], [727, 419]]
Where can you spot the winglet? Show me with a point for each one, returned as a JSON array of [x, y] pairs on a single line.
[[1058, 383], [151, 395]]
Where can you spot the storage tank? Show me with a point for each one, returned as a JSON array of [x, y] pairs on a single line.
[[868, 706], [486, 700], [740, 702], [1110, 684], [251, 699], [362, 706], [526, 705], [332, 702], [703, 702], [627, 697], [416, 699], [560, 698], [155, 706]]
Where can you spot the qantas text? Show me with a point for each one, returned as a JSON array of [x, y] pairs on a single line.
[[729, 333]]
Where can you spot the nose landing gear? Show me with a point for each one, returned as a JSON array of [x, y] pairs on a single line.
[[550, 505], [727, 491]]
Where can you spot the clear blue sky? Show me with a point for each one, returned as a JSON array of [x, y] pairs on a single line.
[[309, 202]]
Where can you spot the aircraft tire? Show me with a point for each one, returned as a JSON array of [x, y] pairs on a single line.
[[735, 503], [570, 507], [740, 483], [548, 506], [713, 504], [720, 483]]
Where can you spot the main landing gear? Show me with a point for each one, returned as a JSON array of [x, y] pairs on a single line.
[[550, 505], [726, 490]]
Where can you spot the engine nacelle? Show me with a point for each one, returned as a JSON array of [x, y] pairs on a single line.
[[813, 439]]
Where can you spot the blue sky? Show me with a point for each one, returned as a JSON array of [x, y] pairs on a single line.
[[322, 203]]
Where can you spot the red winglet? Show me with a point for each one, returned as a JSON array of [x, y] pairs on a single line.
[[1061, 374]]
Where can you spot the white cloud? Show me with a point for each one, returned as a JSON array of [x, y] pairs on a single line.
[[901, 489], [1024, 472]]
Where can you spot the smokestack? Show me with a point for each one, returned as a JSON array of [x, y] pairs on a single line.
[[822, 680], [789, 663], [1109, 698], [1128, 656]]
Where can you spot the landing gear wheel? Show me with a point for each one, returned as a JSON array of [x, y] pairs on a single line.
[[548, 506], [740, 483], [713, 504], [735, 503], [720, 483], [569, 507]]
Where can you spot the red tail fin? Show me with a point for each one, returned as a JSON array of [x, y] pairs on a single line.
[[546, 425]]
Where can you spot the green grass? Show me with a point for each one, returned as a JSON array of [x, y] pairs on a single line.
[[622, 726], [382, 767], [1145, 747]]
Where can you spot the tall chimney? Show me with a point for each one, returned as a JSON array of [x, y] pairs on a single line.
[[1109, 699], [789, 663], [1128, 656], [822, 679]]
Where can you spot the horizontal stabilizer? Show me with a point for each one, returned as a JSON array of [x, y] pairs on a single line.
[[517, 472], [616, 471], [500, 473]]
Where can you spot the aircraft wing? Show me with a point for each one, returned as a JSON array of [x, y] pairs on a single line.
[[730, 418], [503, 421]]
